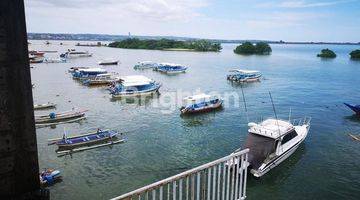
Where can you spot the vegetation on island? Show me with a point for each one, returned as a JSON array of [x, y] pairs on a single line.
[[326, 53], [355, 54], [248, 48], [164, 44]]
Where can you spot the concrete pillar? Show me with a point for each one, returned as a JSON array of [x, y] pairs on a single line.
[[19, 166]]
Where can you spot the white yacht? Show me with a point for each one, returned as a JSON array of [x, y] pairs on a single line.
[[272, 141]]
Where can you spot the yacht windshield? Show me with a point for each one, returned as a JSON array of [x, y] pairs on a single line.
[[260, 147]]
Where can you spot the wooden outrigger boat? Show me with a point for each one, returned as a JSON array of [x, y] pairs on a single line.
[[54, 118], [44, 106], [100, 136]]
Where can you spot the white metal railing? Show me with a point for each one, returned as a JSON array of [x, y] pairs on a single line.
[[223, 179]]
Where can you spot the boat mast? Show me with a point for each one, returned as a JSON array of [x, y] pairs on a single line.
[[277, 120], [242, 91]]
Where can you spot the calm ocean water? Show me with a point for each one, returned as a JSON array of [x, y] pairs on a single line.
[[160, 143]]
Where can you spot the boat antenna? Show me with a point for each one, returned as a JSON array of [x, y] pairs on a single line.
[[277, 121], [242, 92]]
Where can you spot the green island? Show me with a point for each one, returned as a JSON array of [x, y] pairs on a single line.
[[167, 44], [326, 53], [248, 48], [355, 54]]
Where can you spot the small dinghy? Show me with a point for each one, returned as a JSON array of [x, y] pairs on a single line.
[[200, 103], [355, 108], [109, 62], [100, 136], [54, 118], [49, 177], [44, 106]]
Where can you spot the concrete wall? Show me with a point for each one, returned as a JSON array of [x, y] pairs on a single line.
[[18, 151]]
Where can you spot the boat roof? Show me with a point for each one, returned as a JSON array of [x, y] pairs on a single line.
[[198, 96], [92, 70], [135, 80], [170, 64], [147, 62], [271, 128], [244, 71]]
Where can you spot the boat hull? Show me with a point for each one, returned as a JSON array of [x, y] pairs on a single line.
[[109, 63]]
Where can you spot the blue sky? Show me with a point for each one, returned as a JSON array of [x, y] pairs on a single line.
[[288, 20]]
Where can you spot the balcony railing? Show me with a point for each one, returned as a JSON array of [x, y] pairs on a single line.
[[223, 179]]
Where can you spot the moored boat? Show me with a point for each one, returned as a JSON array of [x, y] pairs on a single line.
[[200, 103], [109, 62], [170, 68], [239, 75], [355, 108], [59, 117], [36, 59], [72, 53], [49, 176], [101, 79], [130, 86], [44, 106], [271, 142], [145, 65], [99, 136], [85, 73]]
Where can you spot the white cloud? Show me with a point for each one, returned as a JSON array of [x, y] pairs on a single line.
[[161, 10], [301, 4]]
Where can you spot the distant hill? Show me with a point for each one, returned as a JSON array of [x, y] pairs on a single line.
[[106, 37]]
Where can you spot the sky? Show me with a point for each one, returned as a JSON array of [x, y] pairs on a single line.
[[288, 20]]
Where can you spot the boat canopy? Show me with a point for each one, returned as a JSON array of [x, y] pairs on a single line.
[[136, 80], [243, 71], [260, 148], [90, 70], [271, 128], [199, 98]]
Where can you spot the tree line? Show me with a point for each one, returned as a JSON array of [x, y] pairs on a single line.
[[163, 44]]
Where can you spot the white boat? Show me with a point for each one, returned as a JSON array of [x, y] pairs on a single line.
[[101, 79], [200, 103], [75, 54], [272, 141], [170, 68], [109, 62], [44, 106], [240, 75], [145, 65], [54, 60], [131, 86]]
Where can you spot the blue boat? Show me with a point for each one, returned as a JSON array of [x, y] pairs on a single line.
[[130, 86], [49, 177], [170, 68], [200, 103], [355, 108], [99, 136], [84, 73], [239, 75]]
